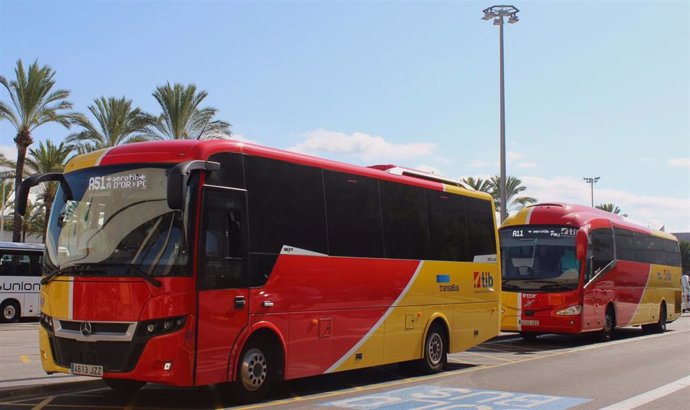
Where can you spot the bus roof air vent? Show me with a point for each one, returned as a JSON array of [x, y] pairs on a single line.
[[415, 173]]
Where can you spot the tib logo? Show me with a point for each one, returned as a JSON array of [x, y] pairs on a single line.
[[483, 280]]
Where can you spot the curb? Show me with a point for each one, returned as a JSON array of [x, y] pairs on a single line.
[[17, 392]]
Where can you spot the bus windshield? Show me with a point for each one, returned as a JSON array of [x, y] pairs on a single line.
[[539, 258], [117, 223]]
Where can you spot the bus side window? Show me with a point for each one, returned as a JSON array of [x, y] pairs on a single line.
[[23, 265], [600, 250], [8, 266]]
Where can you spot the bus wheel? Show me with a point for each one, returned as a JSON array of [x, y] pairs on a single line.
[[10, 311], [435, 350], [123, 386], [609, 325], [660, 325], [529, 336], [255, 371]]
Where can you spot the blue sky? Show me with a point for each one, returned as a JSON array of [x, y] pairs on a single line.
[[592, 88]]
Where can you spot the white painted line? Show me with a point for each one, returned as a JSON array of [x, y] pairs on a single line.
[[651, 395], [44, 403]]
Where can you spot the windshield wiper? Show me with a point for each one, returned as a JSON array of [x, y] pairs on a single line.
[[71, 269], [50, 274], [140, 273]]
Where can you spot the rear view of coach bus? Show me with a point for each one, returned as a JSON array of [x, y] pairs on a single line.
[[541, 272]]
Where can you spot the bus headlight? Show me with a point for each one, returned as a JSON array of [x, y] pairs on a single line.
[[161, 326], [570, 311]]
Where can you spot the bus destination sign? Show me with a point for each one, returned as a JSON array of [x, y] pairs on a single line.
[[542, 232]]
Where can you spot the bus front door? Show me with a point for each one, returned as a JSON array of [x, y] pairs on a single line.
[[223, 281]]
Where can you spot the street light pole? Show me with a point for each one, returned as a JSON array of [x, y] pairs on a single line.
[[497, 13], [592, 181], [3, 175]]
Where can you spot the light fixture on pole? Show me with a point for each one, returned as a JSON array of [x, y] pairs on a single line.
[[592, 181], [3, 176], [497, 13]]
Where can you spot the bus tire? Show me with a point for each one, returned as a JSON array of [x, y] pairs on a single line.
[[435, 349], [9, 311], [606, 333], [660, 325], [124, 386], [256, 371]]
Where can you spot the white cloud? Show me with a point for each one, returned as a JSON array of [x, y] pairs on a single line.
[[526, 165], [365, 146], [651, 211], [679, 162]]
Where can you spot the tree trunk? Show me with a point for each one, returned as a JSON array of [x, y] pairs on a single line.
[[23, 140]]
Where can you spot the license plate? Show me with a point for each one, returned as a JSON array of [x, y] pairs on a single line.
[[529, 322], [87, 370]]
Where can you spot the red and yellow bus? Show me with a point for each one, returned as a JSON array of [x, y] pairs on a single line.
[[199, 262], [572, 269]]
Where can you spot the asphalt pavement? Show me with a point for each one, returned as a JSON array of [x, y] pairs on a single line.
[[21, 374]]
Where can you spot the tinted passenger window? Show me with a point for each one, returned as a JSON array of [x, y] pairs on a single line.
[[480, 228], [447, 227], [287, 208], [405, 224], [354, 215], [640, 247], [231, 172], [19, 263]]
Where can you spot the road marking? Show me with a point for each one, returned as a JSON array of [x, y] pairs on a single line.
[[45, 402], [438, 397], [461, 371], [24, 358], [488, 357], [651, 395]]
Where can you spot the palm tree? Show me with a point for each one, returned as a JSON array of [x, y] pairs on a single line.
[[4, 162], [514, 187], [117, 123], [6, 190], [35, 103], [182, 118], [479, 184], [35, 222], [32, 222], [48, 157], [613, 208]]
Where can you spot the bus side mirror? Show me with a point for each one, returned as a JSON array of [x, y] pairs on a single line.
[[178, 177], [581, 245], [23, 191]]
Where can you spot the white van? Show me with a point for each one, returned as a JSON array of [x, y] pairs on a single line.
[[685, 284], [20, 280]]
